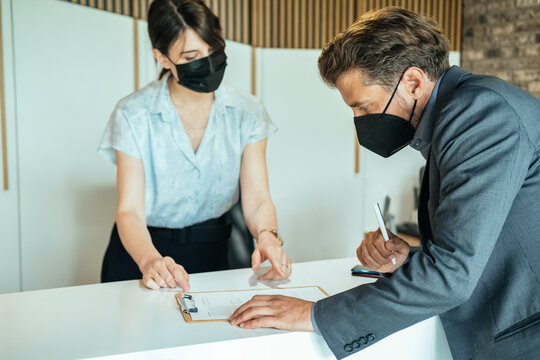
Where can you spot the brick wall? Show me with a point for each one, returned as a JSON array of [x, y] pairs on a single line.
[[502, 38]]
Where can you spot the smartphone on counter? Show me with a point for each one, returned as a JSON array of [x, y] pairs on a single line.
[[359, 270]]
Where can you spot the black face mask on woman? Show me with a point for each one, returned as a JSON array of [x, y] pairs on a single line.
[[203, 75], [382, 133]]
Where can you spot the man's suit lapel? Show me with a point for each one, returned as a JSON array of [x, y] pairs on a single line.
[[430, 181], [423, 213]]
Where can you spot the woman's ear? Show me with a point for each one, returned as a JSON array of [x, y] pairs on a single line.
[[162, 60]]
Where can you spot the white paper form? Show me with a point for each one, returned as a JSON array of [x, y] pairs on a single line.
[[220, 305]]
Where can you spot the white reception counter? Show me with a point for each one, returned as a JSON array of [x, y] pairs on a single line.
[[125, 321]]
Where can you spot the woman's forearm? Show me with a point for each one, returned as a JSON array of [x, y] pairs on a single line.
[[135, 237], [260, 215]]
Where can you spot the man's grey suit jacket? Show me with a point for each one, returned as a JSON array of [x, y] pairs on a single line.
[[479, 216]]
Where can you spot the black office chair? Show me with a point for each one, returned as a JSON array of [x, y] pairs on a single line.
[[241, 243]]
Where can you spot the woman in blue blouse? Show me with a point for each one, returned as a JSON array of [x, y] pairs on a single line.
[[184, 146]]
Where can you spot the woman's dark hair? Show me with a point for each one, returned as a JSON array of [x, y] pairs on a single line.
[[167, 19]]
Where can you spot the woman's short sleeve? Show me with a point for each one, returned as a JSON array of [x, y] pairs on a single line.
[[118, 136], [259, 127]]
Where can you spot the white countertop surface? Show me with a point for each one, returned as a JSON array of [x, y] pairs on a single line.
[[125, 320]]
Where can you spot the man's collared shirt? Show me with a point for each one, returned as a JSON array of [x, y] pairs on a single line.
[[424, 130]]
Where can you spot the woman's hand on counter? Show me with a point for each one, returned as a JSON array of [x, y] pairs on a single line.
[[376, 254], [269, 248], [161, 272]]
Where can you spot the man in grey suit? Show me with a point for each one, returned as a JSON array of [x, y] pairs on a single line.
[[479, 213]]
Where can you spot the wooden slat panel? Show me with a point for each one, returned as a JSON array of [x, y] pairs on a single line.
[[324, 22], [260, 21], [275, 29], [136, 11], [308, 28], [298, 23], [344, 23], [146, 4], [289, 26], [457, 39], [331, 15], [337, 22], [229, 20], [246, 22], [317, 24], [236, 20], [282, 23], [267, 23], [303, 23], [352, 12], [254, 12]]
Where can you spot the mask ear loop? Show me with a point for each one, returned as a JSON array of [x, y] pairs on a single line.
[[394, 93], [412, 113], [174, 64]]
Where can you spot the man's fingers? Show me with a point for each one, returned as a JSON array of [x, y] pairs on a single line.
[[359, 254], [397, 244], [381, 247], [255, 301], [253, 312], [368, 260], [265, 321], [373, 251]]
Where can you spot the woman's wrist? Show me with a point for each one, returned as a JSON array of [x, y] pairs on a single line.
[[146, 257], [268, 235]]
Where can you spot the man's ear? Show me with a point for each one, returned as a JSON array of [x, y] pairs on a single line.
[[414, 80], [162, 60]]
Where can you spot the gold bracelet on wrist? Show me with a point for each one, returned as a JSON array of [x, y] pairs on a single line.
[[272, 230]]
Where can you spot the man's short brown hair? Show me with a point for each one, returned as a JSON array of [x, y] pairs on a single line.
[[383, 44]]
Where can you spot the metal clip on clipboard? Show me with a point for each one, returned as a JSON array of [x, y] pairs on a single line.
[[185, 299]]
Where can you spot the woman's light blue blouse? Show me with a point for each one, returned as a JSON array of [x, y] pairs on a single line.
[[183, 187]]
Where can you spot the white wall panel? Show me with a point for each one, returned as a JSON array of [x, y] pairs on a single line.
[[73, 64], [9, 202], [318, 196], [148, 67], [455, 58], [238, 70]]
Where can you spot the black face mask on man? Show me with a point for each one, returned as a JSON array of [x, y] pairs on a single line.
[[382, 133], [203, 75]]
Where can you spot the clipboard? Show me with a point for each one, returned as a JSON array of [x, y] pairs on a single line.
[[188, 302]]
